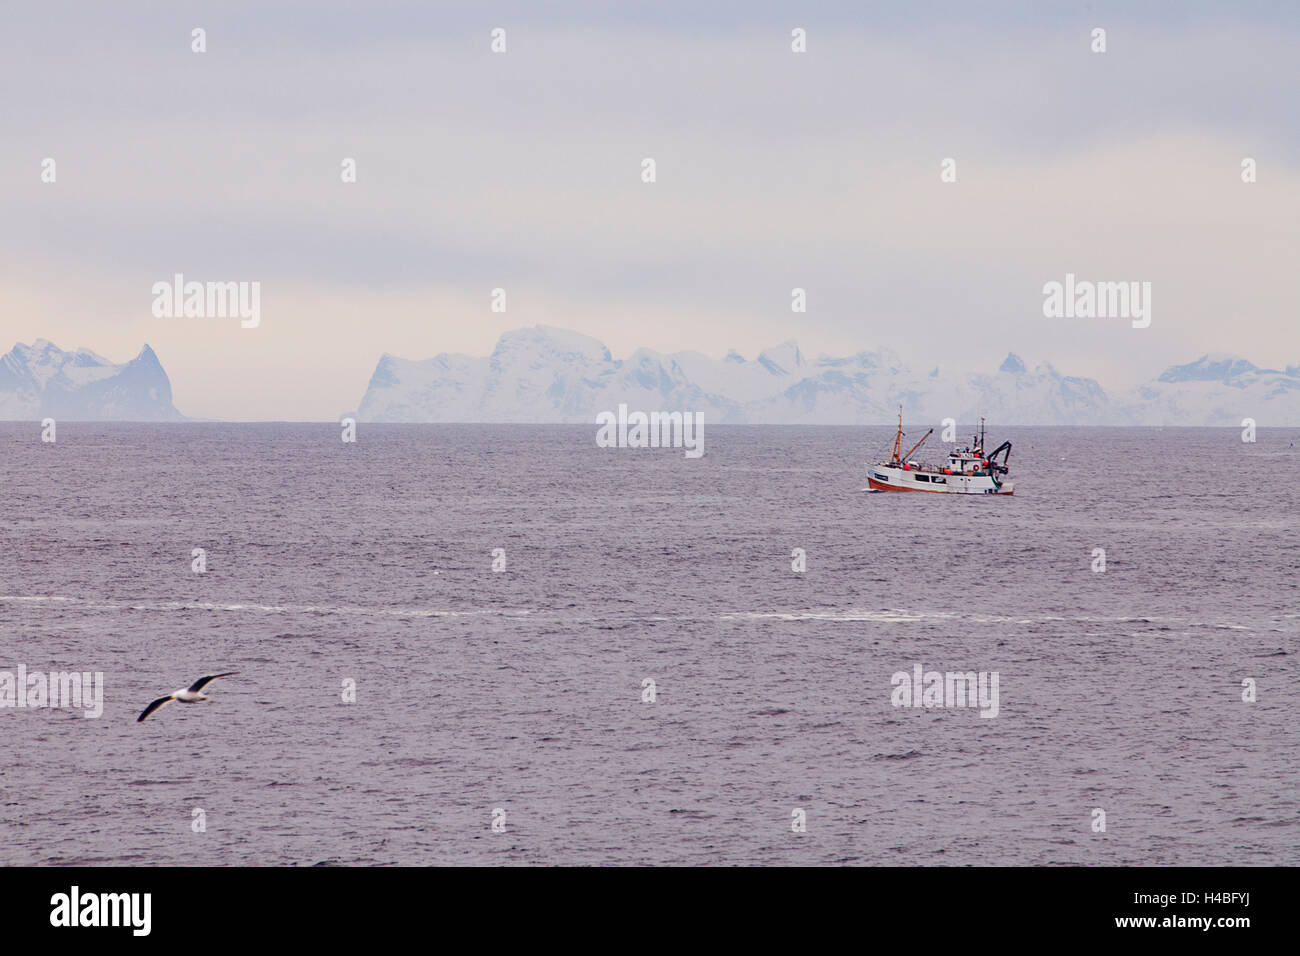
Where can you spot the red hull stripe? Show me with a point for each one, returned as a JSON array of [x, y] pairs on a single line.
[[881, 486]]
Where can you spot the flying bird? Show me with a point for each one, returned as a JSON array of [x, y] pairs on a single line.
[[190, 695]]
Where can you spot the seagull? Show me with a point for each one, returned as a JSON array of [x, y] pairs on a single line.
[[190, 695]]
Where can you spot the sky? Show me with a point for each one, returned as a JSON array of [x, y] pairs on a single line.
[[522, 170]]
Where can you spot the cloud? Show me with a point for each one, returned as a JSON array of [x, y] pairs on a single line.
[[521, 170]]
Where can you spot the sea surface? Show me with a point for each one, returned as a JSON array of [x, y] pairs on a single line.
[[521, 691]]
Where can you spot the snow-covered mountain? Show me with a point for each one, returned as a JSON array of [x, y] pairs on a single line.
[[1219, 390], [42, 380], [546, 374]]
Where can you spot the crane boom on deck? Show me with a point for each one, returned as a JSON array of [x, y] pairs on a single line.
[[918, 444]]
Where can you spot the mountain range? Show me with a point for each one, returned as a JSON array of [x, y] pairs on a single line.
[[42, 380], [547, 374]]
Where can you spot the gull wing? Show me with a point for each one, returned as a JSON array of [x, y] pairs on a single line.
[[202, 682], [154, 706]]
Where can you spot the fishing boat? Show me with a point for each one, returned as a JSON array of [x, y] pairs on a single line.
[[969, 471]]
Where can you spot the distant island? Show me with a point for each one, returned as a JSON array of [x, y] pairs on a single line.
[[41, 380]]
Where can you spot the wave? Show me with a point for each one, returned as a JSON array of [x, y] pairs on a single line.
[[855, 615], [258, 608], [903, 616]]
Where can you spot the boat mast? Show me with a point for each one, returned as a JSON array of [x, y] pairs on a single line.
[[898, 439]]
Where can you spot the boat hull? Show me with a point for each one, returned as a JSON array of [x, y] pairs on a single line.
[[887, 478]]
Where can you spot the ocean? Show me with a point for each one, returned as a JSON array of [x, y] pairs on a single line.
[[396, 697]]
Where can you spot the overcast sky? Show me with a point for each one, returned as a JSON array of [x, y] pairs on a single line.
[[522, 170]]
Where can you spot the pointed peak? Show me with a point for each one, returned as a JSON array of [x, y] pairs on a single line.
[[148, 355], [1012, 363], [782, 359]]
